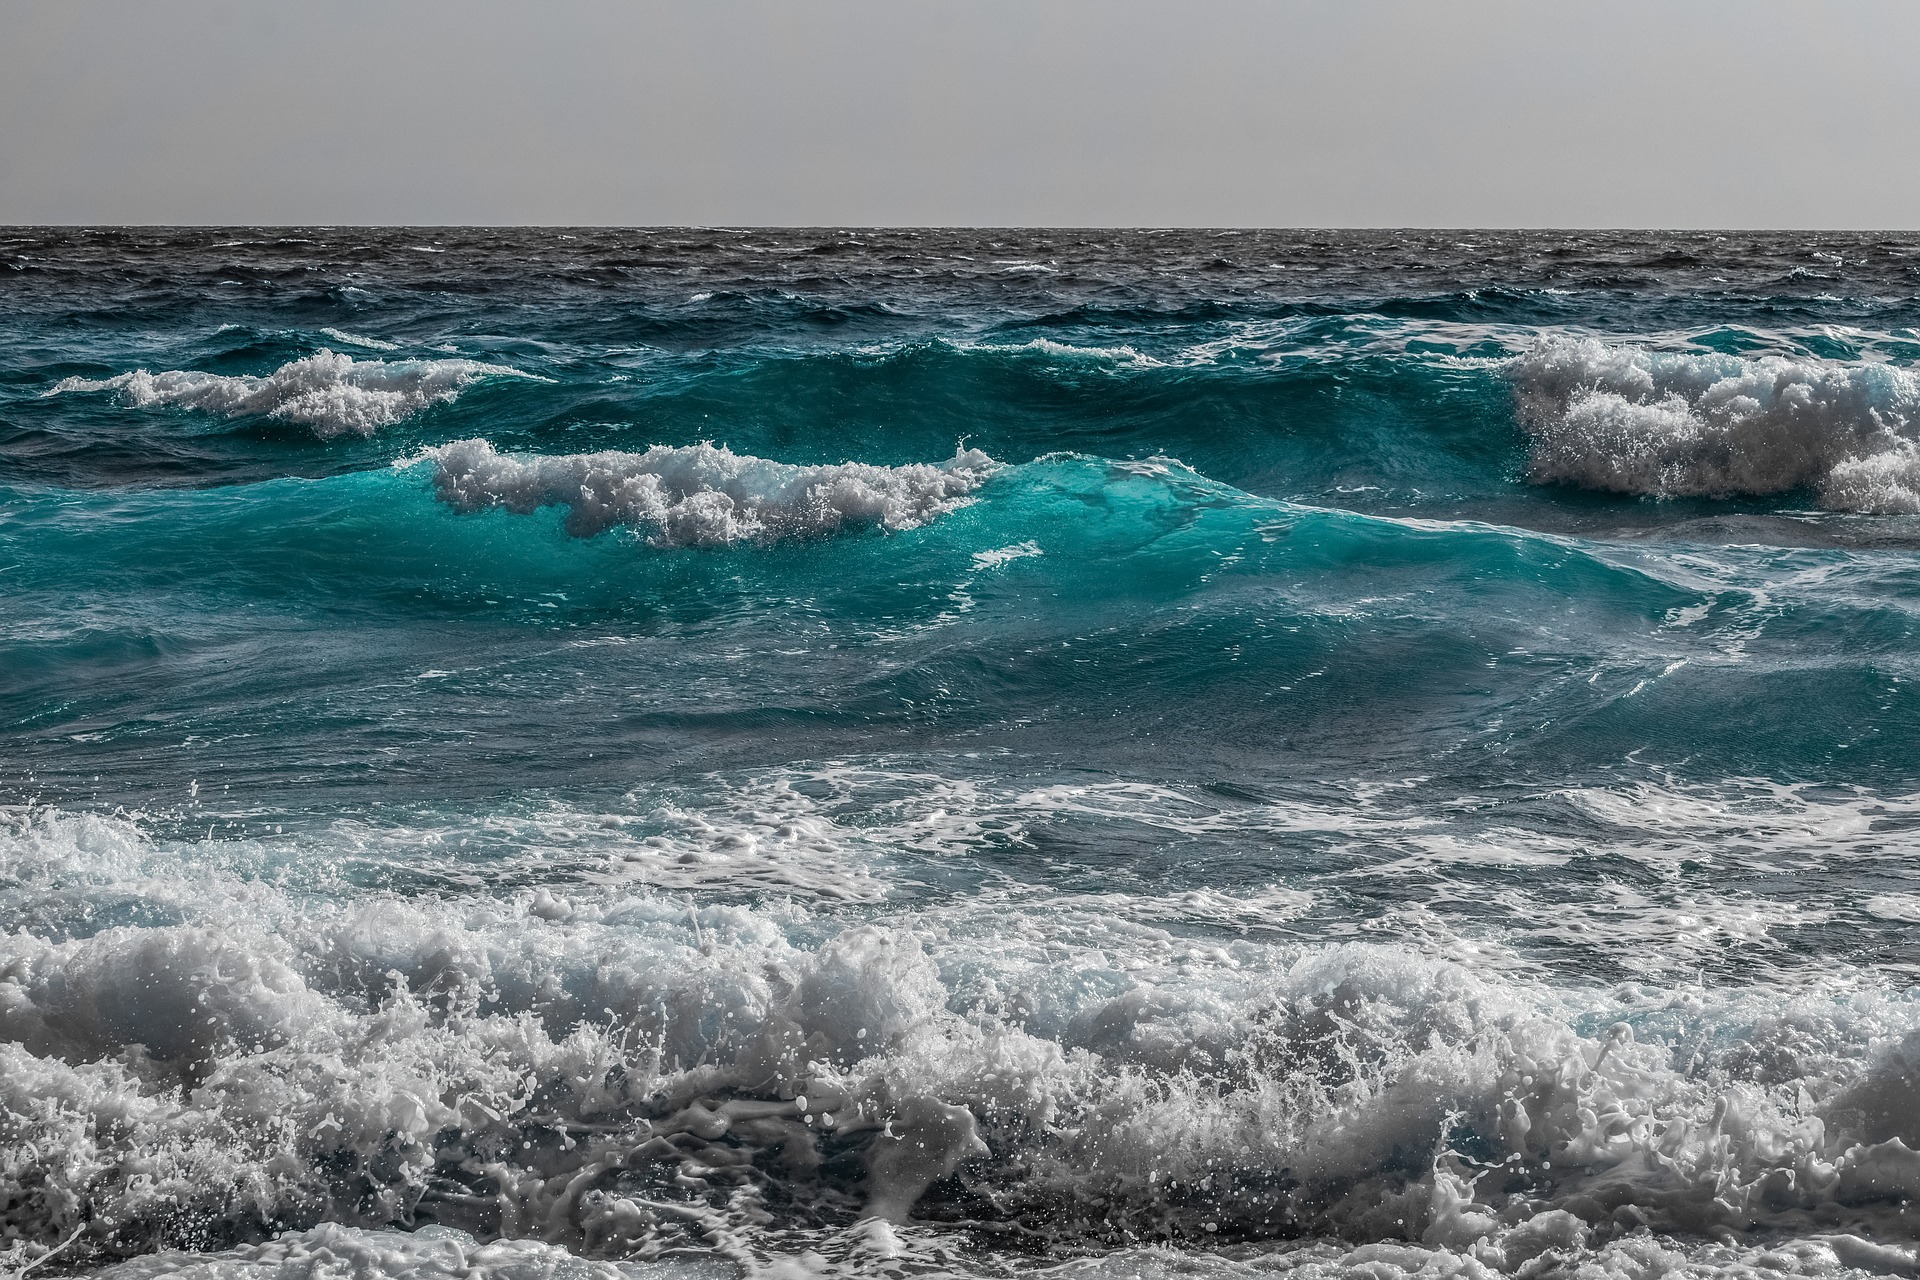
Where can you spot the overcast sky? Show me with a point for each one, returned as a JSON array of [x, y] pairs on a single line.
[[1746, 113]]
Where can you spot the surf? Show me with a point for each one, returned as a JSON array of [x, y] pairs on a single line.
[[769, 753]]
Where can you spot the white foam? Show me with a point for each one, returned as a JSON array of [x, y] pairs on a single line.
[[433, 1253], [360, 340], [535, 1052], [1000, 556], [1672, 424], [330, 392], [1121, 355], [758, 836], [1904, 907], [704, 495], [1550, 1244]]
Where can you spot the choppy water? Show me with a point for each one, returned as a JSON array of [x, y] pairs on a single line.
[[903, 752]]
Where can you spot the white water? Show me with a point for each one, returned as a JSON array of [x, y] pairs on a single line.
[[1673, 424], [330, 392], [702, 495], [227, 1037]]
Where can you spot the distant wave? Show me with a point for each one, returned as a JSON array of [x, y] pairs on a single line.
[[1632, 420], [703, 495], [330, 392]]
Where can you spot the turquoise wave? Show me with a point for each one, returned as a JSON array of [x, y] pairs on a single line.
[[1071, 589]]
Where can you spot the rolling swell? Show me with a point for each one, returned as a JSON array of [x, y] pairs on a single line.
[[1066, 591], [1283, 412], [1364, 412], [461, 509]]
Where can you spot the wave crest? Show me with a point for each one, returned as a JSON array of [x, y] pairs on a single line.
[[1668, 424], [704, 495], [330, 392]]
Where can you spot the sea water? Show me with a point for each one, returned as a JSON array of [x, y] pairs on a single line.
[[711, 752]]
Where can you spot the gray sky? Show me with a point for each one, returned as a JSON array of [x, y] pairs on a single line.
[[1743, 113]]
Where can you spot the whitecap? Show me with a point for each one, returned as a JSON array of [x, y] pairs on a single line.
[[1121, 354], [1670, 424], [330, 392], [360, 340], [704, 495]]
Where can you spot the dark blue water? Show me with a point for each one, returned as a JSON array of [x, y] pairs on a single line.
[[959, 751]]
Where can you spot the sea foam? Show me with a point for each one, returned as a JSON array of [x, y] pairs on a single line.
[[704, 495], [433, 1253], [330, 392], [1677, 424], [625, 1072]]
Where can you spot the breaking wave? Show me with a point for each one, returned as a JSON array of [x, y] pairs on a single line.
[[1633, 420], [330, 392], [703, 495], [619, 1070]]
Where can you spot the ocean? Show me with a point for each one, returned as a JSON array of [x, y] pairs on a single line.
[[708, 753]]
